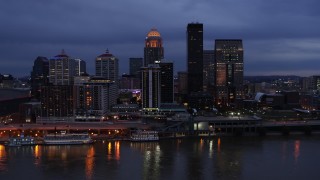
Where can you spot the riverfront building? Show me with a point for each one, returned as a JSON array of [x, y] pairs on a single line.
[[229, 71], [57, 104], [94, 97]]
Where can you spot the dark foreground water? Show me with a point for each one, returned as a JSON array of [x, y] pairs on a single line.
[[217, 158]]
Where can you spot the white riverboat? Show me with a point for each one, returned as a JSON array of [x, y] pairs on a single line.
[[141, 135], [67, 139]]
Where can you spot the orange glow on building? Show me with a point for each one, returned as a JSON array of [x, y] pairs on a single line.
[[153, 50], [153, 33]]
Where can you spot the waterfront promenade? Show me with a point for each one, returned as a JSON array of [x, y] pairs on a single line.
[[199, 126], [102, 130], [74, 126]]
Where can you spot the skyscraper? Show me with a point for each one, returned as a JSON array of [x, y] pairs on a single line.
[[80, 67], [39, 76], [208, 70], [135, 66], [61, 69], [153, 50], [195, 57], [229, 71], [166, 82], [183, 83], [57, 104], [151, 86], [107, 66], [93, 97]]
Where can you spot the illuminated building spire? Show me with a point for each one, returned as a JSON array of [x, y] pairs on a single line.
[[153, 51]]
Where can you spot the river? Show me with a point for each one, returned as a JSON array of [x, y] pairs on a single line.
[[278, 157]]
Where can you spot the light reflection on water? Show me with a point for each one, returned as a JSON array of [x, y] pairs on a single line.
[[296, 150], [90, 162], [3, 158], [238, 158]]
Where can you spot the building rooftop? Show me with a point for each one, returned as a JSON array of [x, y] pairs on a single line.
[[62, 54], [153, 33], [106, 54]]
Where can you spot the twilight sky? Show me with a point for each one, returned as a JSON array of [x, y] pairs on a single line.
[[280, 37]]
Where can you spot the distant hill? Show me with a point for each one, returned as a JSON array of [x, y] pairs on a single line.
[[268, 79]]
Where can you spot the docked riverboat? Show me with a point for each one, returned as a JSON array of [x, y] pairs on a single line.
[[67, 139], [21, 141], [140, 135]]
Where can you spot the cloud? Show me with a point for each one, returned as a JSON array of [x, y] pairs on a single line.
[[272, 31]]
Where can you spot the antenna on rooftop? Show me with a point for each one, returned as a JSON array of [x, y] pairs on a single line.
[[63, 52]]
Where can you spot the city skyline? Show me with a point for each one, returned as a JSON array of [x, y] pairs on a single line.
[[280, 38]]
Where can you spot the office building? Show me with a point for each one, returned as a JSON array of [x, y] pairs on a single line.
[[166, 82], [151, 87], [314, 83], [62, 69], [81, 67], [208, 70], [183, 83], [195, 57], [57, 104], [135, 66], [153, 50], [39, 76], [229, 71], [107, 66], [93, 98], [29, 111], [129, 82]]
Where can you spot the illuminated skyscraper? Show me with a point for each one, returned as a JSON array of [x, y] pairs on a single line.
[[107, 66], [62, 69], [195, 57], [229, 71], [151, 86], [153, 50]]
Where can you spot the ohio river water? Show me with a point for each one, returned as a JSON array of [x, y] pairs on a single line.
[[293, 157]]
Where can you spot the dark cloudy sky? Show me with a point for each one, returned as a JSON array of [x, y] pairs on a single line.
[[279, 36]]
